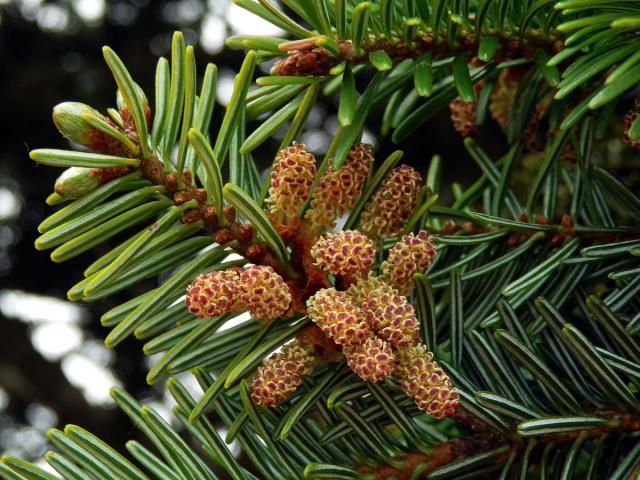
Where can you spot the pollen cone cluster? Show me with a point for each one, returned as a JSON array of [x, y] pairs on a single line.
[[213, 293], [391, 316], [377, 328], [291, 180], [412, 254], [338, 190], [372, 361], [366, 315], [423, 379], [281, 374], [256, 288], [391, 205], [338, 317], [348, 252], [263, 292]]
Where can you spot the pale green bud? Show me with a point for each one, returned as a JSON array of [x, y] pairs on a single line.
[[76, 182], [67, 118]]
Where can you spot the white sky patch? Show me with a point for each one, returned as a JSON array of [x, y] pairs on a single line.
[[316, 140], [164, 408], [95, 349], [91, 11], [4, 399], [189, 382], [182, 12], [232, 256], [32, 308], [93, 379], [150, 360], [368, 137], [226, 78], [10, 204], [42, 463], [53, 18], [41, 417], [29, 8], [243, 22], [213, 34], [55, 340], [56, 334], [243, 317], [331, 124]]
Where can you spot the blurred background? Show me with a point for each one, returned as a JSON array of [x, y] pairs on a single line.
[[54, 368]]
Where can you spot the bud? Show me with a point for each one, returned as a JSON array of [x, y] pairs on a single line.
[[338, 317], [291, 180], [263, 292], [76, 182], [67, 119], [372, 361], [391, 316], [213, 293], [391, 206], [311, 60], [281, 374], [343, 253], [412, 254], [423, 379], [337, 190], [125, 114]]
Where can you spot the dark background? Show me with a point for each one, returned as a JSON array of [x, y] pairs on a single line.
[[53, 367]]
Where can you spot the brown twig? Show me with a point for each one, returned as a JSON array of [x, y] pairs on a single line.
[[306, 58], [484, 439]]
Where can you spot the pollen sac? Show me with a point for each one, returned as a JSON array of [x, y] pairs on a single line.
[[338, 317], [372, 361], [360, 290], [263, 292], [281, 374], [391, 206], [412, 254], [463, 116], [423, 379], [629, 119], [337, 190], [213, 293], [391, 316], [502, 97], [291, 180], [344, 253]]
